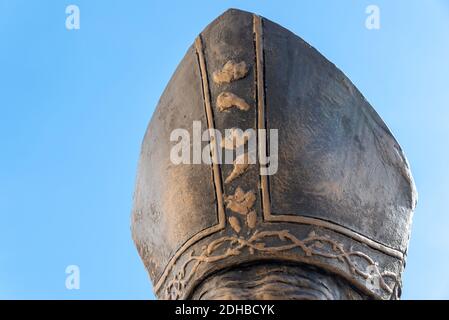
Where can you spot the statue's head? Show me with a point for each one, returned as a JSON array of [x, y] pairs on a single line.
[[317, 201]]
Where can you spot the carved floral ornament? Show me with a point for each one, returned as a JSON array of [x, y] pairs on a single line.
[[314, 245]]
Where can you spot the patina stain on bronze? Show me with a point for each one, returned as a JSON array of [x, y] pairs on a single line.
[[332, 223]]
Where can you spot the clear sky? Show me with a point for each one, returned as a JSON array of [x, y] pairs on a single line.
[[74, 106]]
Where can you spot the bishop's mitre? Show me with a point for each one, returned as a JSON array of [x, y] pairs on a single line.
[[342, 196]]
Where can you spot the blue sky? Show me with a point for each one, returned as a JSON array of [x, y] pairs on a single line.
[[74, 106]]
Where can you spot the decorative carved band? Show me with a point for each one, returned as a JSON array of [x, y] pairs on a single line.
[[314, 245]]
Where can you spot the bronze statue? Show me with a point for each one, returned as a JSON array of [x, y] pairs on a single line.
[[333, 221]]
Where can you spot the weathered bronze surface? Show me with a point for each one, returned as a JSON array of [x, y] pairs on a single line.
[[333, 222]]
